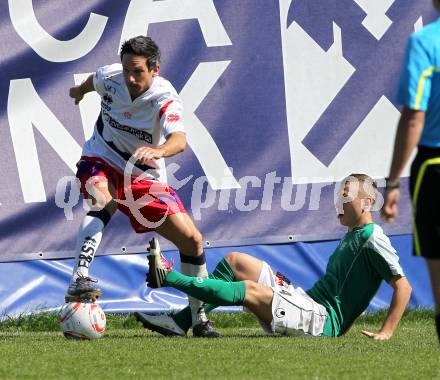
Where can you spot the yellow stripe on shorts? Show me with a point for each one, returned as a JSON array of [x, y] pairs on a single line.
[[420, 175]]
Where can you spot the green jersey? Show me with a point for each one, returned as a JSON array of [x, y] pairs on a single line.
[[363, 258]]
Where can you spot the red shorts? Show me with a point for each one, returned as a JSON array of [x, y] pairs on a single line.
[[146, 202]]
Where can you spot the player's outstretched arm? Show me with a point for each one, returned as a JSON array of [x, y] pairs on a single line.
[[401, 295], [78, 92]]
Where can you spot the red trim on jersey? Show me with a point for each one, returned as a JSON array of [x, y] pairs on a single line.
[[164, 108]]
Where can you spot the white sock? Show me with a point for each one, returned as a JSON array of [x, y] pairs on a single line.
[[197, 311], [87, 242]]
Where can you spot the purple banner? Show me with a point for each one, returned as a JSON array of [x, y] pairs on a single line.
[[282, 99]]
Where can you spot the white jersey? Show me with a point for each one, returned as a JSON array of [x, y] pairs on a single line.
[[125, 124]]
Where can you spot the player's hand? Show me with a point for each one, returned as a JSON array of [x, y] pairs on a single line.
[[145, 154], [377, 336], [76, 93], [389, 209]]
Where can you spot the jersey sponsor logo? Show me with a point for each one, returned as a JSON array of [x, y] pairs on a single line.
[[107, 98], [352, 245], [127, 115], [342, 244], [109, 79], [141, 135], [355, 244], [109, 88], [173, 117], [397, 23], [105, 107]]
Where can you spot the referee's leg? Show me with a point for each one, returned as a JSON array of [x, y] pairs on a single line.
[[434, 273]]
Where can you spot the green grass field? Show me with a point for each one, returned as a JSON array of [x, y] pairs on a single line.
[[34, 348]]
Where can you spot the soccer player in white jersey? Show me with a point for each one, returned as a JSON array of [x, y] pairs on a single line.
[[140, 124], [354, 273]]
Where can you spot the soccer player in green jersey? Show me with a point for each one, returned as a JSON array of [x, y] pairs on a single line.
[[354, 273]]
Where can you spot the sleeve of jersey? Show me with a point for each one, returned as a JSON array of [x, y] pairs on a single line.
[[416, 75], [383, 257], [100, 74], [170, 116]]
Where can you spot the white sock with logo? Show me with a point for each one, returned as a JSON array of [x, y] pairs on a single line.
[[87, 242]]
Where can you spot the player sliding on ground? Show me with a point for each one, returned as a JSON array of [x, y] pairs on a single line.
[[354, 273]]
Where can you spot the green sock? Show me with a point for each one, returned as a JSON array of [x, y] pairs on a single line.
[[222, 271], [208, 290]]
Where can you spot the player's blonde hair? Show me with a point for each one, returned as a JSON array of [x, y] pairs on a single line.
[[367, 186]]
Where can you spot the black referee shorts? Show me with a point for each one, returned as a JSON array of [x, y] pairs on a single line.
[[425, 193]]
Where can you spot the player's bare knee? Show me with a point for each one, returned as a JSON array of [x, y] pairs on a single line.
[[106, 203], [100, 197], [235, 260], [232, 259]]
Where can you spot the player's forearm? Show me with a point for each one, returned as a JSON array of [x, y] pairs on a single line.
[[87, 85], [407, 137], [401, 296], [176, 143]]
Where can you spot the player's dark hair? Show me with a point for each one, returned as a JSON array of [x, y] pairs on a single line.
[[143, 46]]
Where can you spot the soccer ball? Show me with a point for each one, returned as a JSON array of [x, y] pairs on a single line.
[[82, 320]]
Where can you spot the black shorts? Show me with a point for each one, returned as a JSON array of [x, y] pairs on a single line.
[[425, 193]]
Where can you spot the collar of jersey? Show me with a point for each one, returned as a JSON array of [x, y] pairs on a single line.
[[361, 227]]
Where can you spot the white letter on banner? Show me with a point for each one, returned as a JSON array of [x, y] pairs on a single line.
[[376, 21], [142, 13], [25, 111], [310, 90], [28, 28], [197, 204], [196, 89], [67, 195], [240, 197]]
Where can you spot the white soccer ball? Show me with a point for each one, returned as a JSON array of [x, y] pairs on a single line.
[[82, 320]]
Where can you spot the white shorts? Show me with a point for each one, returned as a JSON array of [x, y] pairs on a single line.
[[294, 312]]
